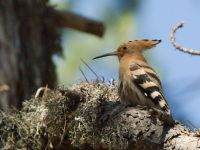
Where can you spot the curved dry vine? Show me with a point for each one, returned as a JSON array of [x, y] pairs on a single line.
[[178, 46]]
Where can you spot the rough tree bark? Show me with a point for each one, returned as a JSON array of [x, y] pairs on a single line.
[[71, 119], [29, 36]]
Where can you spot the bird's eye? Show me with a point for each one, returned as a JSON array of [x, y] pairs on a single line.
[[124, 48]]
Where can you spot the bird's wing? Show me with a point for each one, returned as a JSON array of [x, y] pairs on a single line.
[[148, 86]]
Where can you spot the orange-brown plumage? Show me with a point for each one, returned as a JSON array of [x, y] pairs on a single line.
[[138, 82]]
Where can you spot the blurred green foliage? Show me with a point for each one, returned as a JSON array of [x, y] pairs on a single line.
[[120, 22]]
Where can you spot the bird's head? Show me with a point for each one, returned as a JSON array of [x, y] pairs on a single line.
[[131, 47]]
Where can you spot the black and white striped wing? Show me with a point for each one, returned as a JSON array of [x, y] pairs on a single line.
[[147, 85]]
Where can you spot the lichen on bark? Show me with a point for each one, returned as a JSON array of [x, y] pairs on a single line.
[[72, 119]]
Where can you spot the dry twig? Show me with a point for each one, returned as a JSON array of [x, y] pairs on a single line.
[[178, 46], [4, 87], [42, 91], [83, 74], [90, 68]]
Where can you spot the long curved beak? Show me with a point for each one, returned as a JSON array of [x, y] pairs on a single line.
[[105, 55]]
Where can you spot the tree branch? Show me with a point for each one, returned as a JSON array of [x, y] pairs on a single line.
[[78, 22], [178, 46], [70, 119]]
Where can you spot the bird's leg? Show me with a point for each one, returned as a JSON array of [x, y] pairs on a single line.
[[141, 107]]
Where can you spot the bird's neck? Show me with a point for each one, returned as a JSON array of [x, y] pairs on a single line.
[[126, 61]]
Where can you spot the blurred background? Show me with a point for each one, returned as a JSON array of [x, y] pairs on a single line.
[[31, 32], [138, 19]]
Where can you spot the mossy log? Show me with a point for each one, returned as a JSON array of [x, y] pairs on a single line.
[[71, 119]]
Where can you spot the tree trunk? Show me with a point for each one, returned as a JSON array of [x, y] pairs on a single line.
[[28, 39]]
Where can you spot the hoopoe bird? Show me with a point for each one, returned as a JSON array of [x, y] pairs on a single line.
[[138, 82]]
